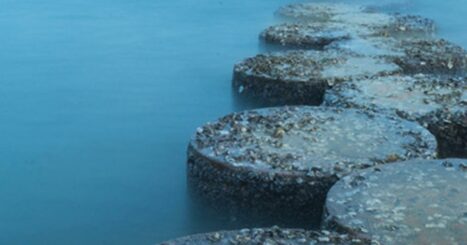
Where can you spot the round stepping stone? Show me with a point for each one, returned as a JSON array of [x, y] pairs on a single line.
[[317, 12], [438, 103], [359, 20], [301, 77], [304, 35], [271, 236], [408, 25], [282, 161], [432, 56], [395, 26], [414, 202]]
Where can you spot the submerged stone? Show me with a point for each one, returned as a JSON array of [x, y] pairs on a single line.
[[301, 77], [274, 235], [284, 160], [304, 35], [438, 103], [413, 202]]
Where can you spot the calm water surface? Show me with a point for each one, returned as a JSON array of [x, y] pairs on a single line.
[[98, 100]]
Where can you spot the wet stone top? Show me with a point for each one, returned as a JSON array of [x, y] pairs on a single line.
[[317, 11], [413, 55], [414, 202], [270, 236], [432, 55], [311, 66], [367, 24], [306, 35], [330, 141], [411, 25], [359, 19], [411, 96]]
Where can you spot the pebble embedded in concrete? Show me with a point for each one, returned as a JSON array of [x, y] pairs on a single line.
[[270, 236], [413, 202], [285, 159]]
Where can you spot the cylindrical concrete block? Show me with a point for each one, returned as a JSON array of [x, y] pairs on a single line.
[[280, 162], [413, 202]]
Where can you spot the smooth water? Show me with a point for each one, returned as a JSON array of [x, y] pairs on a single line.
[[99, 98]]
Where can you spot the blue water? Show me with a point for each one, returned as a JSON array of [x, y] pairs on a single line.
[[98, 100]]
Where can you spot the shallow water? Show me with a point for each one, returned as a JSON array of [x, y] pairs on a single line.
[[99, 98]]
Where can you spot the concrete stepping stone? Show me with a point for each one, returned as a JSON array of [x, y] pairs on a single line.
[[282, 161], [403, 26], [301, 77], [413, 202], [428, 56], [359, 19], [317, 12], [438, 103], [432, 56], [304, 35]]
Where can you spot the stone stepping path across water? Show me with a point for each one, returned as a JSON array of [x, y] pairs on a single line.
[[286, 159], [414, 202], [301, 77], [387, 81], [312, 21], [274, 235], [406, 39], [359, 20], [436, 102]]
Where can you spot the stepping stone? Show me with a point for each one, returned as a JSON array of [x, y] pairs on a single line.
[[432, 56], [438, 103], [413, 202], [403, 26], [359, 19], [301, 77], [389, 26], [305, 35], [317, 12], [271, 236], [282, 161]]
